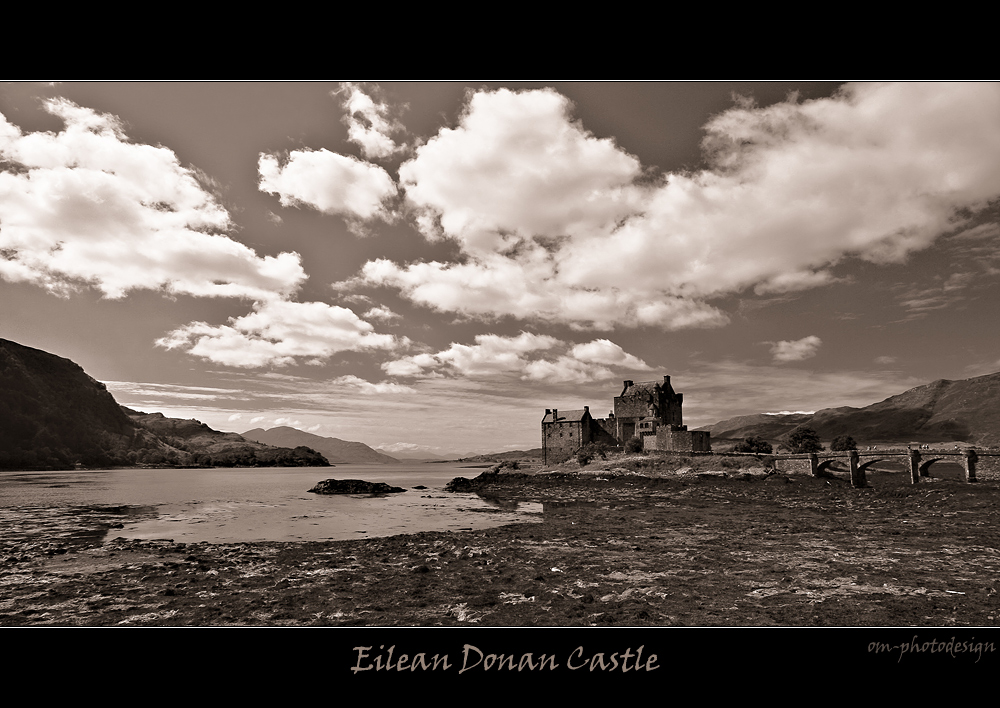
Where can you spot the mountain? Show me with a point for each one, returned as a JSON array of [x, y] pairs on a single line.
[[967, 411], [54, 416], [765, 425], [194, 443], [417, 456], [335, 450]]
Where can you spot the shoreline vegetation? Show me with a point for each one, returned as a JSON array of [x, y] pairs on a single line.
[[631, 541]]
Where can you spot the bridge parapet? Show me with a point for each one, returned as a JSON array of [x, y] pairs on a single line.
[[978, 464]]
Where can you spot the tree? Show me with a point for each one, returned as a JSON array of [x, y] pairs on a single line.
[[803, 440], [588, 452], [842, 443], [634, 445], [755, 444]]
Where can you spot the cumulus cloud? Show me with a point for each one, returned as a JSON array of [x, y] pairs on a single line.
[[517, 167], [87, 206], [368, 388], [328, 182], [603, 351], [559, 225], [369, 123], [523, 356], [279, 333], [796, 350]]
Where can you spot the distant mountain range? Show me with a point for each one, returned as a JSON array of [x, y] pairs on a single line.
[[335, 450], [967, 411], [54, 416], [205, 446], [532, 455], [415, 456]]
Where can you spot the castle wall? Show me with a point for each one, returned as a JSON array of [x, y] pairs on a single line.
[[602, 430], [679, 440], [560, 441]]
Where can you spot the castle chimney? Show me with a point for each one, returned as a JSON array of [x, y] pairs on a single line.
[[555, 415], [627, 383], [666, 380]]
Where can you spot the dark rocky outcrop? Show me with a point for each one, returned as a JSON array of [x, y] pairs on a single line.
[[354, 486], [460, 484]]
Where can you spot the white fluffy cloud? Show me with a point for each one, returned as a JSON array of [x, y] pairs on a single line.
[[796, 350], [516, 167], [86, 206], [556, 225], [369, 123], [368, 388], [278, 333], [522, 356], [329, 182]]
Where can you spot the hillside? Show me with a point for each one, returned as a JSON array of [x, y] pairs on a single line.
[[529, 456], [335, 450], [192, 442], [766, 425], [966, 410], [54, 416]]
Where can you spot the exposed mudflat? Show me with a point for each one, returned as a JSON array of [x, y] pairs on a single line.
[[612, 549]]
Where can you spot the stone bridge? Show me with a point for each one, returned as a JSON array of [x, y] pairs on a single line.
[[919, 462]]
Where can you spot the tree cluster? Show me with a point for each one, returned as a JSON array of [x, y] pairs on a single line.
[[803, 440], [842, 443], [634, 445], [754, 444]]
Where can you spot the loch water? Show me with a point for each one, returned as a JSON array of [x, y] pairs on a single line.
[[233, 505]]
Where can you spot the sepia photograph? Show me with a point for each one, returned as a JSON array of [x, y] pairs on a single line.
[[369, 354]]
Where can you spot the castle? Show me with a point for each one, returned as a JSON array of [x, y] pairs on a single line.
[[648, 410]]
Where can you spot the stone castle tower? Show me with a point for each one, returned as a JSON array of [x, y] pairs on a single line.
[[648, 410]]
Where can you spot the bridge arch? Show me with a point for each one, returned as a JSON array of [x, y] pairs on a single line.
[[863, 466], [826, 467], [926, 464]]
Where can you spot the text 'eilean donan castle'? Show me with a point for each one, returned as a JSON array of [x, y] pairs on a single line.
[[648, 410]]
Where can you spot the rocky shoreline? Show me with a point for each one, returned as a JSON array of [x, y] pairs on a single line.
[[612, 549]]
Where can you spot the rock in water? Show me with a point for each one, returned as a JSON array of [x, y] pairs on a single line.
[[354, 486]]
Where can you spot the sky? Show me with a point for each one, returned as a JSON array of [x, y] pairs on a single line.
[[426, 267]]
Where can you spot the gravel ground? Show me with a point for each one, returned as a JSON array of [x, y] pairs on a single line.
[[705, 549]]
